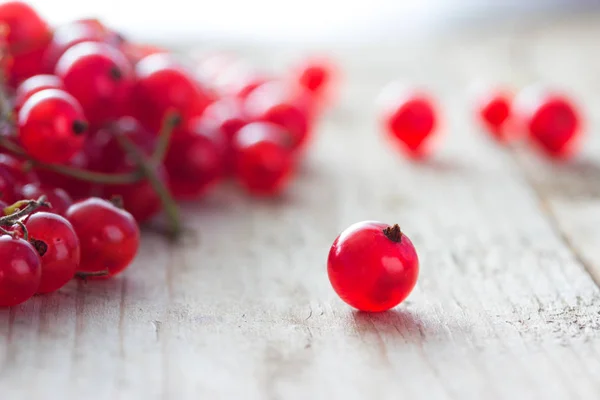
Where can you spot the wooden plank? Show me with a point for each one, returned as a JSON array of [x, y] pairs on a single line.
[[242, 309]]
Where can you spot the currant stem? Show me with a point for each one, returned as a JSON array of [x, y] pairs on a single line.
[[147, 167], [76, 173], [16, 213], [85, 275], [24, 229], [169, 123]]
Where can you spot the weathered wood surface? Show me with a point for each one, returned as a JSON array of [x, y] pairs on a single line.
[[505, 308]]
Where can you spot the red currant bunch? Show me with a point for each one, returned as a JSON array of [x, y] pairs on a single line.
[[109, 133]]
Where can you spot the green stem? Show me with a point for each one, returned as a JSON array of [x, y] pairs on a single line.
[[76, 173], [168, 203], [16, 213], [170, 121]]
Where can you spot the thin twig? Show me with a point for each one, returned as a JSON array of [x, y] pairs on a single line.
[[77, 173], [168, 203], [170, 121], [30, 206]]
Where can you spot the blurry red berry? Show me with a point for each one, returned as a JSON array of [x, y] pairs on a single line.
[[99, 77], [274, 102], [373, 266], [109, 237], [194, 161], [35, 84], [20, 271], [411, 119], [227, 116], [27, 38], [52, 126], [551, 120], [60, 252], [493, 110], [264, 158], [57, 197], [75, 32], [163, 85], [139, 198]]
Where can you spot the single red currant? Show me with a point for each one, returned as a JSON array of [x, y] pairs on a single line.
[[59, 249], [103, 149], [411, 119], [551, 120], [163, 85], [140, 199], [57, 197], [109, 237], [264, 158], [75, 32], [100, 77], [373, 266], [51, 126], [27, 38], [20, 271], [33, 85], [273, 102], [317, 76], [194, 160], [493, 110]]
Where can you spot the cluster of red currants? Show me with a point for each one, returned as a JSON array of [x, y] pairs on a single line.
[[41, 251], [549, 119], [87, 115]]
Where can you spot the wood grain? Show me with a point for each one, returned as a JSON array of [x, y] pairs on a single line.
[[242, 309]]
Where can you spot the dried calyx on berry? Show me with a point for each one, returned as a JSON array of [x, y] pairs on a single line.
[[393, 233], [40, 246], [79, 127]]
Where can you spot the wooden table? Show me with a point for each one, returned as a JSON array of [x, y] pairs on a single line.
[[506, 306]]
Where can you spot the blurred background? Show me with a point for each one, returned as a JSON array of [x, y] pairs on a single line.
[[322, 22]]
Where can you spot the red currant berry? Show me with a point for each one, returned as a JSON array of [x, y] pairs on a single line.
[[227, 116], [551, 120], [27, 38], [33, 85], [264, 159], [373, 266], [59, 249], [100, 77], [140, 199], [317, 76], [194, 161], [273, 102], [109, 237], [20, 271], [51, 126], [57, 197], [75, 32], [103, 149], [163, 85], [494, 111], [411, 119]]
